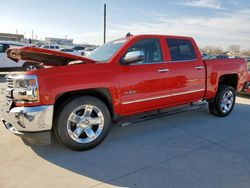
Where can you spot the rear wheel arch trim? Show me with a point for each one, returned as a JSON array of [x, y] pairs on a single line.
[[226, 76]]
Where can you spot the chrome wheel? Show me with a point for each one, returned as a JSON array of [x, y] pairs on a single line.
[[227, 101], [85, 123], [31, 67]]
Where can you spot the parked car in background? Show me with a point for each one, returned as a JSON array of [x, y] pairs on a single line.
[[209, 56], [70, 51], [128, 76], [222, 56], [88, 51], [52, 47], [78, 48], [247, 59], [7, 64]]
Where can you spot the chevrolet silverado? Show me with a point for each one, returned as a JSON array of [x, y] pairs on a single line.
[[79, 98]]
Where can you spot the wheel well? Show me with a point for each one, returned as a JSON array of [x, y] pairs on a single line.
[[100, 93], [229, 79]]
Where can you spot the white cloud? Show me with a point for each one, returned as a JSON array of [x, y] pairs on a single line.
[[222, 29], [202, 3]]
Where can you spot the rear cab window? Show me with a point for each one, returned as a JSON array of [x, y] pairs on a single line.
[[181, 49]]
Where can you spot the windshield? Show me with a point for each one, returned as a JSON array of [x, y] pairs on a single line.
[[106, 51]]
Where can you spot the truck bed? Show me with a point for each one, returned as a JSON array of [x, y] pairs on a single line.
[[217, 67]]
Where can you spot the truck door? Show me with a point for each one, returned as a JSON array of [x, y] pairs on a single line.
[[187, 69], [146, 84]]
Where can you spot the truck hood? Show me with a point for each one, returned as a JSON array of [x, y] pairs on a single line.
[[44, 56]]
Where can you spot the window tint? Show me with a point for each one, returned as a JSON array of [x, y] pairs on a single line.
[[181, 50], [151, 49]]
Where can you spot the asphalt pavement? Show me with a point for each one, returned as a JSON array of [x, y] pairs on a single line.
[[191, 149]]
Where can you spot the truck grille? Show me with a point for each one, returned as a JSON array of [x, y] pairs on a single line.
[[9, 87]]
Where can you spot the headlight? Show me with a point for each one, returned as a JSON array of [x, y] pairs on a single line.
[[25, 88]]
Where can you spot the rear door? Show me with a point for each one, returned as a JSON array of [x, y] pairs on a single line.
[[187, 69]]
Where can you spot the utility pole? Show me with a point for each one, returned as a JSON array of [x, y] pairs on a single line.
[[104, 32], [32, 34]]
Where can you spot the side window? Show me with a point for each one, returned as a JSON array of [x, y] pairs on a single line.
[[181, 49], [151, 49]]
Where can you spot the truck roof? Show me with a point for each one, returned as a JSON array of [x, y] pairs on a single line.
[[157, 35]]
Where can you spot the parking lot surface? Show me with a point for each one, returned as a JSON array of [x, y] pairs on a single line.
[[191, 149]]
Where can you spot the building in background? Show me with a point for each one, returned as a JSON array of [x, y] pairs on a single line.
[[11, 37], [59, 41]]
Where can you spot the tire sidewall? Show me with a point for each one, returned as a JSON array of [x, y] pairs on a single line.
[[221, 93], [67, 109]]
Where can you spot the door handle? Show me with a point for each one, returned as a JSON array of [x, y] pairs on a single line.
[[163, 70], [199, 67]]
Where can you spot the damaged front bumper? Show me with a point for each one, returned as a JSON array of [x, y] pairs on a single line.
[[33, 124]]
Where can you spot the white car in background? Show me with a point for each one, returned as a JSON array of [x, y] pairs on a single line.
[[51, 47], [87, 51], [7, 64], [70, 51], [78, 48]]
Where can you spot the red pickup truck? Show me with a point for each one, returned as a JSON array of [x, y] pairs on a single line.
[[78, 98]]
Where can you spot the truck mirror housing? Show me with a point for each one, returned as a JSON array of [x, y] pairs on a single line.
[[132, 57]]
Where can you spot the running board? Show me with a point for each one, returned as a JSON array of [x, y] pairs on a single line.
[[125, 121]]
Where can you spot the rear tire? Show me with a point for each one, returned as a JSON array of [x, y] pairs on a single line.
[[224, 101], [83, 123]]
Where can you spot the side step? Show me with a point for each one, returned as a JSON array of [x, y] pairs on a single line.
[[128, 120]]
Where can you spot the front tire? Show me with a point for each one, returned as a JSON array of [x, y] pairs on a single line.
[[83, 123], [224, 101]]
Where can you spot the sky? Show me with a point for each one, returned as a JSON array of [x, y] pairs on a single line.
[[218, 23]]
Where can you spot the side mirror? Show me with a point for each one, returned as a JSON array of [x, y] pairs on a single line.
[[135, 56]]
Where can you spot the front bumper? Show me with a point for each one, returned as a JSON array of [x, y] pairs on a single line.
[[31, 123]]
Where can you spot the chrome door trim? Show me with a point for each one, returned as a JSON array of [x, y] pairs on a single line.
[[147, 99], [163, 70], [187, 92], [162, 96]]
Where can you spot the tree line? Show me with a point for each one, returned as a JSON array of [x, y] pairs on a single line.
[[236, 49]]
